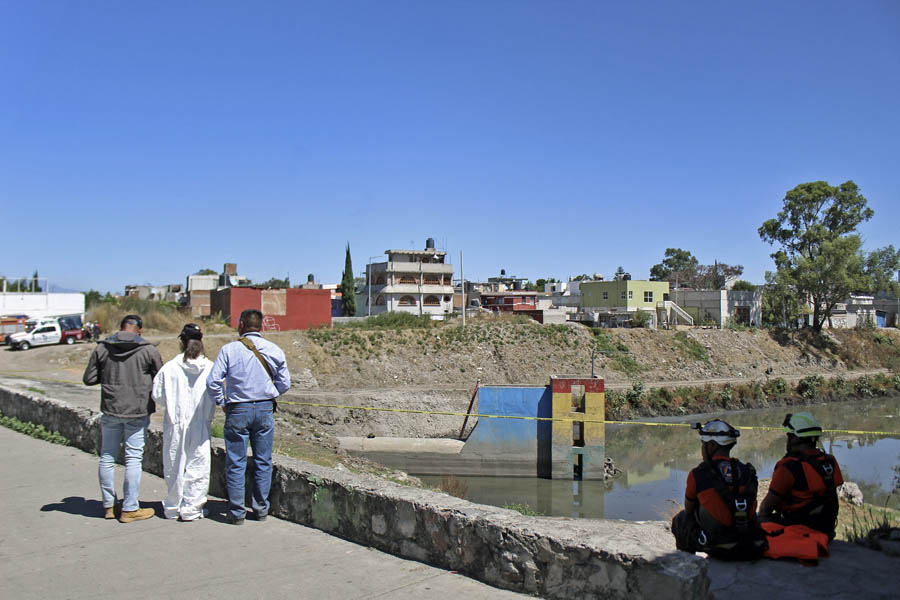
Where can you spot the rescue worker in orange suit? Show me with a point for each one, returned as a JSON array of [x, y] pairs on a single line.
[[719, 515], [804, 484]]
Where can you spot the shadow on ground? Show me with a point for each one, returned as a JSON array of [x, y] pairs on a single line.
[[76, 505]]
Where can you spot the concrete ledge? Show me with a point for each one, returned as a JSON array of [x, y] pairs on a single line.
[[550, 557]]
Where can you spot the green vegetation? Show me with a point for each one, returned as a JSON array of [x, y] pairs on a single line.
[[524, 509], [690, 348], [21, 285], [217, 430], [810, 386], [35, 431], [680, 267], [742, 285], [641, 319], [276, 283], [819, 254], [639, 401], [348, 287], [36, 390], [620, 357], [391, 320]]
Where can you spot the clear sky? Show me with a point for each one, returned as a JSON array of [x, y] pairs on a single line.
[[140, 142]]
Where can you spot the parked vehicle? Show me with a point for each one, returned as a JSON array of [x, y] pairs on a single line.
[[46, 331], [10, 324]]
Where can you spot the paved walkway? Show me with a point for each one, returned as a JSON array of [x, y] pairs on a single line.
[[54, 544]]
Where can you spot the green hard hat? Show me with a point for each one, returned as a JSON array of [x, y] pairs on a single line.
[[802, 424]]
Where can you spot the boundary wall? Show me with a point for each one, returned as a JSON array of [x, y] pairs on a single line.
[[549, 557]]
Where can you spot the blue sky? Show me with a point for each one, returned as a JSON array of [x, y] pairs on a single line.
[[142, 142]]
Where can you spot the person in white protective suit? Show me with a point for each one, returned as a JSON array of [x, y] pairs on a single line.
[[180, 386]]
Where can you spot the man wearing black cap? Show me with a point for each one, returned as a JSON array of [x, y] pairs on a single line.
[[124, 364]]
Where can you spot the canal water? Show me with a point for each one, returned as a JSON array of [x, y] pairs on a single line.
[[655, 462]]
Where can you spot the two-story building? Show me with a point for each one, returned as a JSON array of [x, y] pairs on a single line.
[[414, 281], [612, 303]]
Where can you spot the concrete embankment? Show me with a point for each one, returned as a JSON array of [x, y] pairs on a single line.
[[550, 557]]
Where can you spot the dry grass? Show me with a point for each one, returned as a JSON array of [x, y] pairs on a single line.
[[157, 316], [453, 486]]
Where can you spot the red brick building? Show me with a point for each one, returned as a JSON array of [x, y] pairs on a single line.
[[282, 309]]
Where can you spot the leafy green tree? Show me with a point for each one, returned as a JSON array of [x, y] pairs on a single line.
[[207, 272], [35, 287], [540, 282], [677, 265], [818, 254], [348, 291], [743, 286], [682, 268], [881, 268], [781, 307], [92, 297], [276, 283]]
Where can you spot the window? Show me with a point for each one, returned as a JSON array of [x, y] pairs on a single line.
[[408, 280], [446, 298], [630, 294], [407, 301], [379, 280], [623, 295], [648, 296], [606, 295], [379, 300], [432, 280], [431, 301]]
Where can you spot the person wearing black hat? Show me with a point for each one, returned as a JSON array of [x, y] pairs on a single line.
[[180, 386]]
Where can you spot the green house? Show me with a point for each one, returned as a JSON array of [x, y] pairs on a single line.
[[623, 295]]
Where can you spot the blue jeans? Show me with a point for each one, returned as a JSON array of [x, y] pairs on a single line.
[[253, 421], [115, 430]]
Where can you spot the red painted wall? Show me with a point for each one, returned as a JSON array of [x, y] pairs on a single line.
[[305, 308]]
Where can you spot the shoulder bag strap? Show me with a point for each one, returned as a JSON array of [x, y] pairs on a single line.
[[252, 348]]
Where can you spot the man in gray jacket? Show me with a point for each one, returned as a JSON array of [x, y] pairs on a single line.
[[124, 364]]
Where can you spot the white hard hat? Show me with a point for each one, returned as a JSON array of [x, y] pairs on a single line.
[[717, 431]]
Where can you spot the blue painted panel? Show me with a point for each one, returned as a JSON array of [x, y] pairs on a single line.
[[509, 436]]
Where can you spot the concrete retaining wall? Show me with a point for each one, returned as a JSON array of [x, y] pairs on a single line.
[[550, 557]]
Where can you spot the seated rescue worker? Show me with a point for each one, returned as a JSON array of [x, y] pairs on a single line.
[[804, 484], [719, 515]]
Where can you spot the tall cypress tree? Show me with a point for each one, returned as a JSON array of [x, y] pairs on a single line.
[[348, 290]]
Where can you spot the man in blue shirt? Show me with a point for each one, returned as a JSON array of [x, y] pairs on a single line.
[[246, 378]]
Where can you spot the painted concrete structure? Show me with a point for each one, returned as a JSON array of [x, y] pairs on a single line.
[[41, 304], [578, 446], [623, 295], [718, 306], [282, 309], [414, 281], [859, 310]]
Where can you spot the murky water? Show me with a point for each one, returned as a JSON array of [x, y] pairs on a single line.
[[656, 460]]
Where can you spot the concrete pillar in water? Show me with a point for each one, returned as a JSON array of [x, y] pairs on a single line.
[[579, 435]]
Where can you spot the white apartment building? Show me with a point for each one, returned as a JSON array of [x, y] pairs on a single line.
[[413, 281]]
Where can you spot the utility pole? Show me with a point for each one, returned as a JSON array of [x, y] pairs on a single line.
[[462, 285]]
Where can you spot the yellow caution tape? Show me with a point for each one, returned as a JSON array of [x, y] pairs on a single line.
[[569, 419], [480, 416]]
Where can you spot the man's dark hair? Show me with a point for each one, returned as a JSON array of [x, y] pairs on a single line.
[[252, 319], [131, 320]]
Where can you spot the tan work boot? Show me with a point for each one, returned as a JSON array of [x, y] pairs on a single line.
[[136, 515], [111, 512]]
